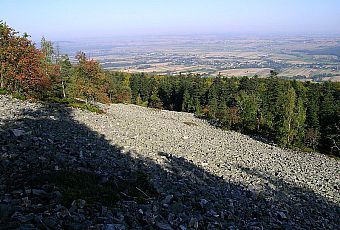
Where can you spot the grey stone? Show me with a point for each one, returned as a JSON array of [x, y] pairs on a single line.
[[17, 132], [203, 202], [51, 222], [79, 203], [168, 199], [39, 192], [114, 227], [182, 227], [22, 218], [282, 216], [242, 184], [164, 226]]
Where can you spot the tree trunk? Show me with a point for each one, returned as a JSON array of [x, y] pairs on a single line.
[[1, 80], [2, 85], [63, 87]]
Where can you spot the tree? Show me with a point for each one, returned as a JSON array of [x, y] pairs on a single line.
[[89, 82], [22, 64], [248, 108], [212, 106], [46, 47], [291, 118], [312, 116], [285, 130], [187, 104], [155, 101], [299, 122], [66, 71], [135, 85], [329, 121], [198, 108], [52, 68]]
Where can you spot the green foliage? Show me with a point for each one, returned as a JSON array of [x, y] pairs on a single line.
[[198, 109], [71, 102], [248, 105], [155, 101], [19, 96], [285, 108], [61, 100], [3, 91], [308, 150], [292, 113], [188, 103], [88, 107]]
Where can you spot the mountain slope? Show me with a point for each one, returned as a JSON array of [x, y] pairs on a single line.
[[134, 166]]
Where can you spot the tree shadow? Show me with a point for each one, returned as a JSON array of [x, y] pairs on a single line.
[[57, 173]]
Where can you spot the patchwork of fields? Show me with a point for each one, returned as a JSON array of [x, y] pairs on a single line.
[[299, 58]]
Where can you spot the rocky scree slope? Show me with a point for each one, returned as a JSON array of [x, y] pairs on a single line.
[[139, 168]]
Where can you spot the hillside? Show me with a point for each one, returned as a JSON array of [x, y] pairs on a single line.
[[135, 167], [292, 114]]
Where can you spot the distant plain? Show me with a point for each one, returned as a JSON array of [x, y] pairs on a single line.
[[314, 58]]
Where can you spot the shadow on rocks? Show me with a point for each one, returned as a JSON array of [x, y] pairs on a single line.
[[57, 173], [217, 203]]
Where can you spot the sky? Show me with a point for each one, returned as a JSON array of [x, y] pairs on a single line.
[[73, 19]]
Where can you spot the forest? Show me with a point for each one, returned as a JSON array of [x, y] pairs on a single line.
[[292, 114]]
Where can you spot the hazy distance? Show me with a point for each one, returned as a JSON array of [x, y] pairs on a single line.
[[71, 20]]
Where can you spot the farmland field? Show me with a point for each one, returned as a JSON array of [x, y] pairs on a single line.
[[303, 58]]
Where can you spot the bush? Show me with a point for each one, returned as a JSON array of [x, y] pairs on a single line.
[[75, 104], [88, 107], [308, 150], [3, 91], [61, 100], [155, 102], [66, 101], [19, 96]]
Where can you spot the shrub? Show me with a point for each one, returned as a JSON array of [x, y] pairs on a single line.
[[88, 107], [19, 96], [308, 150], [3, 91], [61, 100]]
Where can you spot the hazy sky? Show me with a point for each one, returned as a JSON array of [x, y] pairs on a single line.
[[69, 19]]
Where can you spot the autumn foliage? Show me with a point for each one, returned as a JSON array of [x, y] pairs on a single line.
[[89, 81], [292, 114], [23, 69]]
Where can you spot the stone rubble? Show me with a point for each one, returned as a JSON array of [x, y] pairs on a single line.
[[201, 177]]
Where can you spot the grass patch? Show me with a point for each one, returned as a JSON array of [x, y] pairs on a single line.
[[88, 107], [308, 150], [58, 100], [3, 91], [75, 104], [84, 185], [19, 96], [190, 123]]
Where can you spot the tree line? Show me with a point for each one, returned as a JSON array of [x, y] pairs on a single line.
[[293, 114]]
